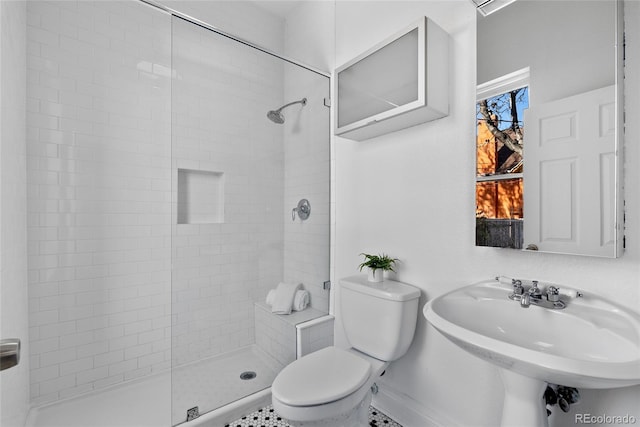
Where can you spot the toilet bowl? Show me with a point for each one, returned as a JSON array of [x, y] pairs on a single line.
[[331, 387]]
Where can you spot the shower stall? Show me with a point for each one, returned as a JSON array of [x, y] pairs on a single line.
[[162, 188]]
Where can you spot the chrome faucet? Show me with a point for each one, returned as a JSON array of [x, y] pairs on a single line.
[[534, 296], [525, 300]]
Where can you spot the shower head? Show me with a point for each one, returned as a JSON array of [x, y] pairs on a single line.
[[276, 115]]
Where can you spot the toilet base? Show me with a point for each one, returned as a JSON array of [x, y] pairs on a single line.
[[357, 417]]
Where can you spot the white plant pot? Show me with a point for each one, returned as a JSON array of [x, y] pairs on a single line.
[[376, 275]]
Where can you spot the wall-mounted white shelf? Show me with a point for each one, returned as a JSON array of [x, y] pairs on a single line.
[[400, 82]]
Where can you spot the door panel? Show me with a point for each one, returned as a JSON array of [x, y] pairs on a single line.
[[570, 169]]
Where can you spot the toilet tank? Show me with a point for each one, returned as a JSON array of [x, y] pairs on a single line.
[[379, 318]]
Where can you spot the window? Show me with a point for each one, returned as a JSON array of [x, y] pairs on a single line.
[[500, 161]]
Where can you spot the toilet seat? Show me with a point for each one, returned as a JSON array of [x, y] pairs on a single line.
[[321, 377]]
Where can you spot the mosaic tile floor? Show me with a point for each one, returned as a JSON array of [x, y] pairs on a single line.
[[267, 417]]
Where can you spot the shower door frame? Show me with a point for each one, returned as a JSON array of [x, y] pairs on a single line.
[[217, 30]]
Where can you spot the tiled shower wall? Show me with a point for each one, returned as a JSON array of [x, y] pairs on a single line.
[[221, 95], [99, 191], [103, 222]]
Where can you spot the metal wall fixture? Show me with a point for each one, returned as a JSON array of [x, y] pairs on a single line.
[[303, 210], [9, 353], [276, 115]]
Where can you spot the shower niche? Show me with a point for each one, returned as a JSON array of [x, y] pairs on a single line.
[[200, 197]]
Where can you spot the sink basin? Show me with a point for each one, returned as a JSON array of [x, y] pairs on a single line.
[[591, 343]]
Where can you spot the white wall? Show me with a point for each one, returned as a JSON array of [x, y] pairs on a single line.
[[14, 382], [311, 23], [411, 194]]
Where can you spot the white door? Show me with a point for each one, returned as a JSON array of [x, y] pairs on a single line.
[[569, 174]]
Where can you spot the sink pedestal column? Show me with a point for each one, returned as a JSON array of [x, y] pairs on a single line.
[[523, 404]]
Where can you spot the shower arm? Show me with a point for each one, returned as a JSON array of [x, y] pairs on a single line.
[[303, 101]]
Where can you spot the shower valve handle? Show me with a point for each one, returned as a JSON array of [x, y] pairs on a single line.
[[303, 210]]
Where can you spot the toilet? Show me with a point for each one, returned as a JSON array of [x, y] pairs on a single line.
[[332, 386]]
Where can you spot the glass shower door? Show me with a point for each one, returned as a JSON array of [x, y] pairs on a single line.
[[236, 176]]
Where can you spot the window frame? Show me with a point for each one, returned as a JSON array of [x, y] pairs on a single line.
[[495, 87]]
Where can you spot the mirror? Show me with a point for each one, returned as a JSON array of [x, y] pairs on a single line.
[[548, 114]]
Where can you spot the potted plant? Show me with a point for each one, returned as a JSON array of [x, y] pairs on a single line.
[[377, 265]]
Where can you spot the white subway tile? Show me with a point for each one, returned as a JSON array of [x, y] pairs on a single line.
[[92, 349], [75, 339], [79, 313], [57, 384], [123, 342], [138, 327], [57, 356], [44, 374], [110, 358], [92, 375], [123, 367], [138, 351], [44, 345], [68, 368]]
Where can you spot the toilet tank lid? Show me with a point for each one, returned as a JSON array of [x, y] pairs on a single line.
[[387, 289]]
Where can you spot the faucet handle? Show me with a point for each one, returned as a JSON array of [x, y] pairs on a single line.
[[553, 294], [517, 287]]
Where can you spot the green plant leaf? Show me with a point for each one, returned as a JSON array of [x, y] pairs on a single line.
[[378, 262]]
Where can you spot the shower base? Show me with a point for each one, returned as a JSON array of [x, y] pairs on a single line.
[[212, 384], [216, 382]]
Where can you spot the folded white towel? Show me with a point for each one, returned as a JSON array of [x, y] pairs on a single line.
[[283, 298], [301, 300], [271, 296]]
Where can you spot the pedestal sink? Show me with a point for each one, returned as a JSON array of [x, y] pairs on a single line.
[[591, 343]]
